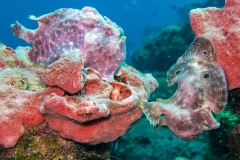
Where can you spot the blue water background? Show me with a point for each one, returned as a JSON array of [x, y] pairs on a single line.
[[134, 16]]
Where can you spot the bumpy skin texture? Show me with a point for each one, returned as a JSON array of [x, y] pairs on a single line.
[[98, 40], [221, 26], [202, 88]]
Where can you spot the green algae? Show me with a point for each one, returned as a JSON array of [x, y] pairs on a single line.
[[225, 141], [181, 158], [21, 79], [38, 144], [41, 142]]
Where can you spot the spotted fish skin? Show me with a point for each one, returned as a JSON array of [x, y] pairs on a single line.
[[201, 49], [202, 88], [96, 39]]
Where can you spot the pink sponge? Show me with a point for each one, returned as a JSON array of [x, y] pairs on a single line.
[[97, 111], [222, 27], [101, 112], [65, 73]]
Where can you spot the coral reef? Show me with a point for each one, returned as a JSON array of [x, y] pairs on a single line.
[[224, 141], [74, 91], [108, 103], [83, 32], [143, 142], [202, 88], [21, 93], [83, 92], [183, 10], [23, 102], [162, 49], [41, 142], [221, 26]]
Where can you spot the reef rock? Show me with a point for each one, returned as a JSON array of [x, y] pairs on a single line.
[[221, 26], [224, 141], [202, 88], [159, 51], [98, 40]]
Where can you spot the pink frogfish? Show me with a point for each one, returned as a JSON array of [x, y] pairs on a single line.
[[202, 88], [98, 40]]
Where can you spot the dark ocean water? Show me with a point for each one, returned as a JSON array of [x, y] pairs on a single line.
[[136, 17]]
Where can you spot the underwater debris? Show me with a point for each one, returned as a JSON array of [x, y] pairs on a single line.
[[202, 88]]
